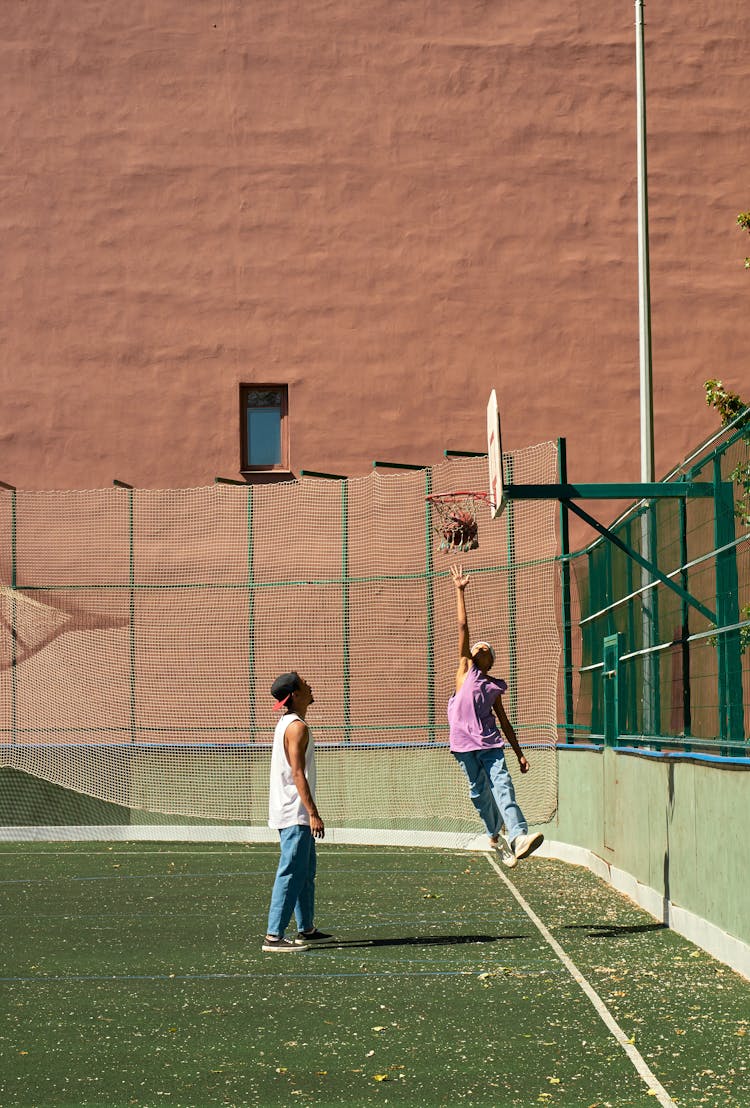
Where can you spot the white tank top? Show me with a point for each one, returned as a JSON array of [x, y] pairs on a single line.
[[285, 809]]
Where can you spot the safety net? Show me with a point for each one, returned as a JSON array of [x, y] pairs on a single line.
[[142, 629]]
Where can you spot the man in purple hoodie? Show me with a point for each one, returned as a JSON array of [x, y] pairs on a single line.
[[477, 743]]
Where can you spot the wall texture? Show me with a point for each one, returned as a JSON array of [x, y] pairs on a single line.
[[392, 207]]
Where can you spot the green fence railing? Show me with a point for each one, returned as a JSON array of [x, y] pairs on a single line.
[[664, 658]]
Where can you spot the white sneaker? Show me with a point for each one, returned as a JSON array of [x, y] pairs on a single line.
[[507, 857], [523, 845]]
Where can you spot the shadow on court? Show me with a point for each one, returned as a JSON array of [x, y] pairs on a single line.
[[417, 940], [607, 931]]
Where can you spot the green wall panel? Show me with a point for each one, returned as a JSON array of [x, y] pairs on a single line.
[[680, 827]]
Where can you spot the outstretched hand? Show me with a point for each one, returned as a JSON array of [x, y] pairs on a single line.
[[460, 579]]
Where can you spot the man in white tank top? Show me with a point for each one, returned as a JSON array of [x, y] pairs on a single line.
[[293, 812]]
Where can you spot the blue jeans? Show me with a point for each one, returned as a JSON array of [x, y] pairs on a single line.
[[491, 791], [294, 886]]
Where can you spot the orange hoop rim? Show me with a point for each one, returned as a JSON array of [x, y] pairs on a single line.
[[446, 497]]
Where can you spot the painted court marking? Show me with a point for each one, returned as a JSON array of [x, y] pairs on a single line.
[[655, 1087], [170, 977], [332, 850]]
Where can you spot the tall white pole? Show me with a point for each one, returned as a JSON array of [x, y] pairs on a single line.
[[649, 722], [644, 281]]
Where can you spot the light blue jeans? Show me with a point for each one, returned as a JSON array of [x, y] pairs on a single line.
[[294, 886], [491, 791]]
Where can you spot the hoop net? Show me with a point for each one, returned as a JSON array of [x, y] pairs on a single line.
[[457, 519]]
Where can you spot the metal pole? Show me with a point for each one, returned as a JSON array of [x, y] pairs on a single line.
[[649, 603], [644, 279]]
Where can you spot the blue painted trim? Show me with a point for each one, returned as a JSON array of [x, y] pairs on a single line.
[[661, 755], [683, 756]]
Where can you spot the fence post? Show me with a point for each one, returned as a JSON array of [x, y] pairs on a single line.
[[131, 583], [614, 699], [685, 629], [252, 705], [567, 643], [595, 639], [630, 637], [14, 613], [728, 652], [345, 630], [510, 523], [430, 603]]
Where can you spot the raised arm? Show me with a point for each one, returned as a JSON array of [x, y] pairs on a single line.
[[461, 580]]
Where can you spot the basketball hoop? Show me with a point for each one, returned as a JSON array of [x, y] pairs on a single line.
[[457, 519]]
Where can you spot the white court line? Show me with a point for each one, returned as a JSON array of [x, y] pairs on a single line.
[[639, 1062], [138, 853], [329, 849]]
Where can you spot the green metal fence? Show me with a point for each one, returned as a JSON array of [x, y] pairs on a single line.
[[666, 663]]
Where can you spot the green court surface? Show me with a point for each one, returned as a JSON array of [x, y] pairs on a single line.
[[132, 975]]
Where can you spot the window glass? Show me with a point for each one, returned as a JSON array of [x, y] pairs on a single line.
[[264, 440], [264, 436]]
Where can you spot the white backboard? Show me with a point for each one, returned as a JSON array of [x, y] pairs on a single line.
[[495, 457]]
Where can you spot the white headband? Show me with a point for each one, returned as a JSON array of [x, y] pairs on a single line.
[[482, 644]]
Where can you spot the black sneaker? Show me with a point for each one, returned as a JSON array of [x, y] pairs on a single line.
[[314, 936], [283, 945]]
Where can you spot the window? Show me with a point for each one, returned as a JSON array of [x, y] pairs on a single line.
[[263, 411]]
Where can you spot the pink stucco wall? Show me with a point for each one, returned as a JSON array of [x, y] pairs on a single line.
[[391, 206]]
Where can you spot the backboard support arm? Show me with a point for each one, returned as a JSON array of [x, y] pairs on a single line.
[[568, 493]]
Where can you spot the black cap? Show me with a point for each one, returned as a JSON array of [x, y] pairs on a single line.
[[283, 687]]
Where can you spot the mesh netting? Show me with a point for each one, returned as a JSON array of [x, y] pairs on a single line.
[[141, 631]]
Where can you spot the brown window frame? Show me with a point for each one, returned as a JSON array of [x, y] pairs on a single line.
[[283, 465]]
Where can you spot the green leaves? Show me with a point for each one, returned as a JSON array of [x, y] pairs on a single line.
[[728, 404], [743, 220]]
